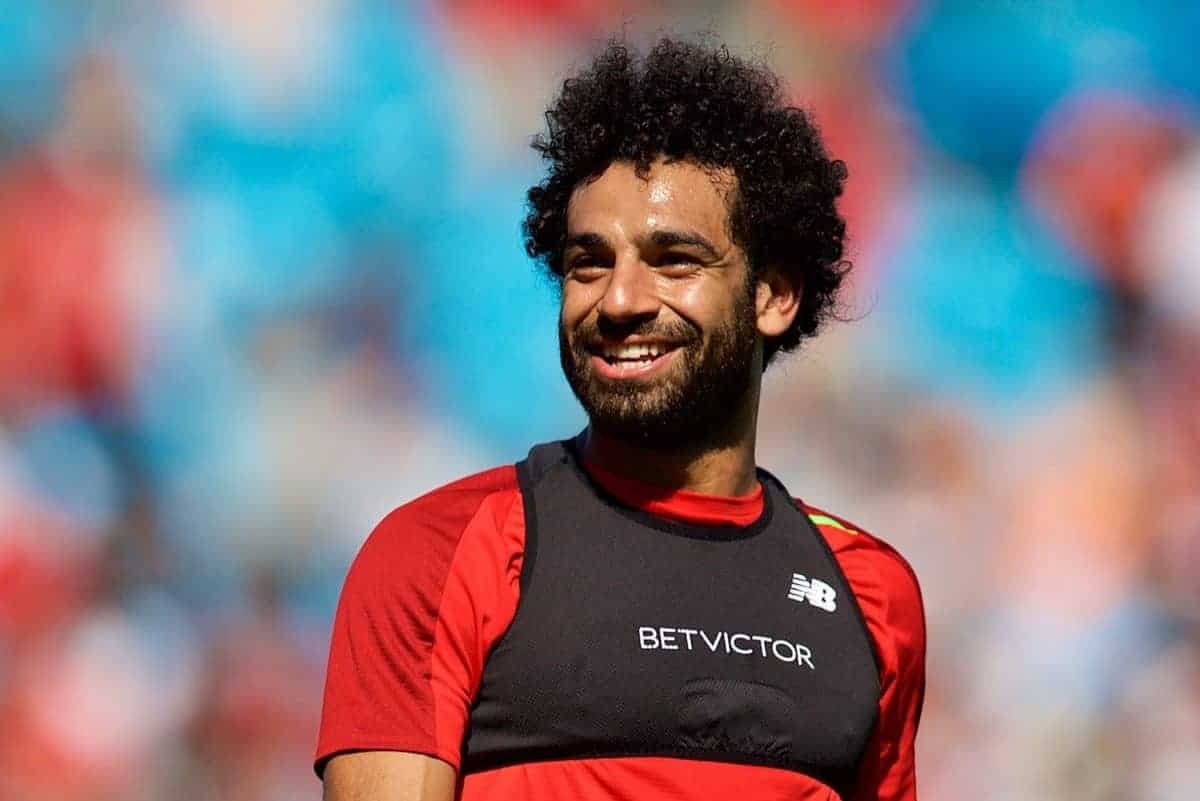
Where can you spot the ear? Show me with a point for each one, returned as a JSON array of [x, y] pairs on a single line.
[[776, 301]]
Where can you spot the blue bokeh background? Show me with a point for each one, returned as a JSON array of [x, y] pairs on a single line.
[[262, 280]]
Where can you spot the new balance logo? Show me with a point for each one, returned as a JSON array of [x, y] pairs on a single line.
[[815, 591]]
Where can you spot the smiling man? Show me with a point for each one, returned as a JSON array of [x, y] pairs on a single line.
[[641, 612]]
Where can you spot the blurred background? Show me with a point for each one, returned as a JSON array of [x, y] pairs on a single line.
[[261, 281]]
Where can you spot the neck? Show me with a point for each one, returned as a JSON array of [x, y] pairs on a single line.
[[720, 465]]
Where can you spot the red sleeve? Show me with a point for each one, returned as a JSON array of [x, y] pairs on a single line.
[[433, 587], [890, 598]]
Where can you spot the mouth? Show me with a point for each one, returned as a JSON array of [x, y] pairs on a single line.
[[628, 360]]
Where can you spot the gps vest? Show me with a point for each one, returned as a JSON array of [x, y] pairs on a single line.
[[638, 636]]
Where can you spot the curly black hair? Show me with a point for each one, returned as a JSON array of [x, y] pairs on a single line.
[[686, 100]]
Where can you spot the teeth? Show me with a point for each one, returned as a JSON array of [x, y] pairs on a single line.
[[639, 351]]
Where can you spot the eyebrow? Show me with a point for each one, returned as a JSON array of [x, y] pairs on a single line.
[[661, 238], [587, 241], [666, 238]]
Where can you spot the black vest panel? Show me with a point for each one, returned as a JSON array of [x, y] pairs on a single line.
[[637, 636]]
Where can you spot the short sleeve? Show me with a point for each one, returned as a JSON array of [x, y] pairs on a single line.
[[889, 596], [433, 587], [888, 770]]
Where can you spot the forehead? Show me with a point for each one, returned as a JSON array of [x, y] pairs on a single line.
[[675, 195]]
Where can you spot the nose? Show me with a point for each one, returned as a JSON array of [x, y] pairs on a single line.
[[630, 295]]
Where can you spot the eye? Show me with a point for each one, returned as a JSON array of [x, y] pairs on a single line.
[[677, 265], [585, 267]]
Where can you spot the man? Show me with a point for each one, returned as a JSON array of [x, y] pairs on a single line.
[[640, 612]]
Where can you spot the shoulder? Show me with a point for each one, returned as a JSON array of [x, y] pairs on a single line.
[[429, 529], [449, 509], [430, 591], [883, 581]]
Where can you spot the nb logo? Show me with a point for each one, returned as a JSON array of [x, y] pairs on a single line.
[[814, 591]]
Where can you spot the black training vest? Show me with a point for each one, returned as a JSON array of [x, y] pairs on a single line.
[[637, 636]]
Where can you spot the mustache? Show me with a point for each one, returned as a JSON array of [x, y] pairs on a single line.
[[678, 331]]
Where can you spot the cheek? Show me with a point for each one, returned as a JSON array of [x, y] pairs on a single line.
[[691, 294], [705, 303], [577, 303]]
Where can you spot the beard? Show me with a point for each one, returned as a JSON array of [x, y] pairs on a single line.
[[691, 404]]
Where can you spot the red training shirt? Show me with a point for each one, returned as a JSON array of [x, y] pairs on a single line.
[[436, 585]]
